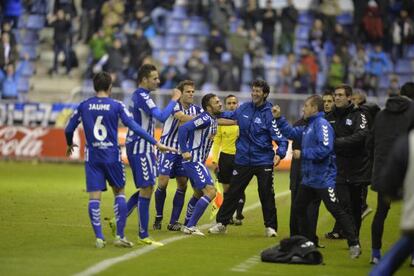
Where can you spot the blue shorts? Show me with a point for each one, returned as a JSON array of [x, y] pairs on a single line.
[[98, 173], [143, 166], [170, 164], [199, 175]]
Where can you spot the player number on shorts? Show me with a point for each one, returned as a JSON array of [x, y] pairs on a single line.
[[99, 130]]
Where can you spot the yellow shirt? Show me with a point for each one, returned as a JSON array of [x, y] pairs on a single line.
[[225, 141]]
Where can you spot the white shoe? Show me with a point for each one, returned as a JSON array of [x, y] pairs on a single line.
[[193, 230], [354, 251], [270, 232], [118, 242], [218, 228], [100, 243]]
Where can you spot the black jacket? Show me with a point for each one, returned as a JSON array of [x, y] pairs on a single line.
[[351, 130], [295, 168], [390, 123]]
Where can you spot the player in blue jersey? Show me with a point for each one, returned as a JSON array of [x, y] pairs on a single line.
[[170, 163], [140, 152], [195, 139], [99, 116]]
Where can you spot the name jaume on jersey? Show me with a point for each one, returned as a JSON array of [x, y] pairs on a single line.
[[99, 107]]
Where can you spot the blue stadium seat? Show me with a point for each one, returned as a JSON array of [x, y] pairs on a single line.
[[247, 75], [271, 76], [197, 27], [30, 49], [172, 42], [329, 48], [410, 52], [175, 26], [384, 82], [305, 18], [23, 85], [404, 66], [404, 78], [29, 37], [179, 12], [35, 21], [128, 86], [190, 42], [345, 19], [247, 63], [28, 69], [157, 42], [302, 32]]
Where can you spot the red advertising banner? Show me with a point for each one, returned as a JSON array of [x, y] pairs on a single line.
[[20, 142]]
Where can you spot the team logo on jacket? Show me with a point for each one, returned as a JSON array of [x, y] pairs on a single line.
[[325, 135], [257, 121], [348, 122], [235, 172]]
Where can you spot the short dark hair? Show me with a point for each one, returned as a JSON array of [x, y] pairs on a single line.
[[346, 87], [102, 81], [205, 101], [183, 83], [228, 97], [316, 100], [262, 84], [408, 90], [328, 92], [144, 71]]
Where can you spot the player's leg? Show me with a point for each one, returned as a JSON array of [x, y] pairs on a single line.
[[178, 203], [264, 176], [197, 194], [165, 164], [304, 196], [344, 197], [115, 175], [95, 183], [377, 228]]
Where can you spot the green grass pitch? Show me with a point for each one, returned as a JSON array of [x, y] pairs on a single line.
[[45, 230]]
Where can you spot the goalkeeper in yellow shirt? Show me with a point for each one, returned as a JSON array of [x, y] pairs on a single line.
[[224, 150]]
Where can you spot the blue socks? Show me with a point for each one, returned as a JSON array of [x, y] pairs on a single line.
[[376, 253], [178, 203], [143, 211], [199, 209], [94, 210], [190, 208], [160, 195], [132, 202], [120, 209]]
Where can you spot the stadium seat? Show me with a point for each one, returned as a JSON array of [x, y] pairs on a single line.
[[329, 48], [247, 63], [384, 82], [35, 21], [345, 19], [271, 76], [247, 76], [157, 42], [404, 66], [28, 69], [172, 42], [410, 52], [128, 86], [189, 42], [179, 12], [23, 85], [29, 37], [29, 49], [302, 32], [404, 78], [175, 26], [305, 18]]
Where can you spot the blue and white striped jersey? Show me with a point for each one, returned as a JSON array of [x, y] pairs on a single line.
[[100, 116], [144, 111], [169, 136], [196, 136]]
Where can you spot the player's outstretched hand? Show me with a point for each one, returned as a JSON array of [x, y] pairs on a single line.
[[69, 149], [175, 94], [186, 155], [276, 111], [163, 147]]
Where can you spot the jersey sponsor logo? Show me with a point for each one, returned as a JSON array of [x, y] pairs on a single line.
[[348, 122], [198, 122], [325, 135], [104, 107], [364, 121]]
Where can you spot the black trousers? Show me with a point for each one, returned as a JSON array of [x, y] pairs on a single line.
[[377, 226], [306, 195], [241, 178], [350, 198], [312, 214]]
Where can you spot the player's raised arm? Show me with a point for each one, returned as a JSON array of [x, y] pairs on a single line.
[[162, 115]]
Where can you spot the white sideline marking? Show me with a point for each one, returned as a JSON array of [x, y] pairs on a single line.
[[103, 265], [247, 264]]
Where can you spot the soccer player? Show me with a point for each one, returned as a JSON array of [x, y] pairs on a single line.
[[318, 170], [255, 156], [195, 139], [170, 163], [223, 151], [140, 153], [99, 116]]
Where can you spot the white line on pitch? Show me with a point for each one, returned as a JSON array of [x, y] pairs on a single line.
[[105, 264], [247, 264]]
